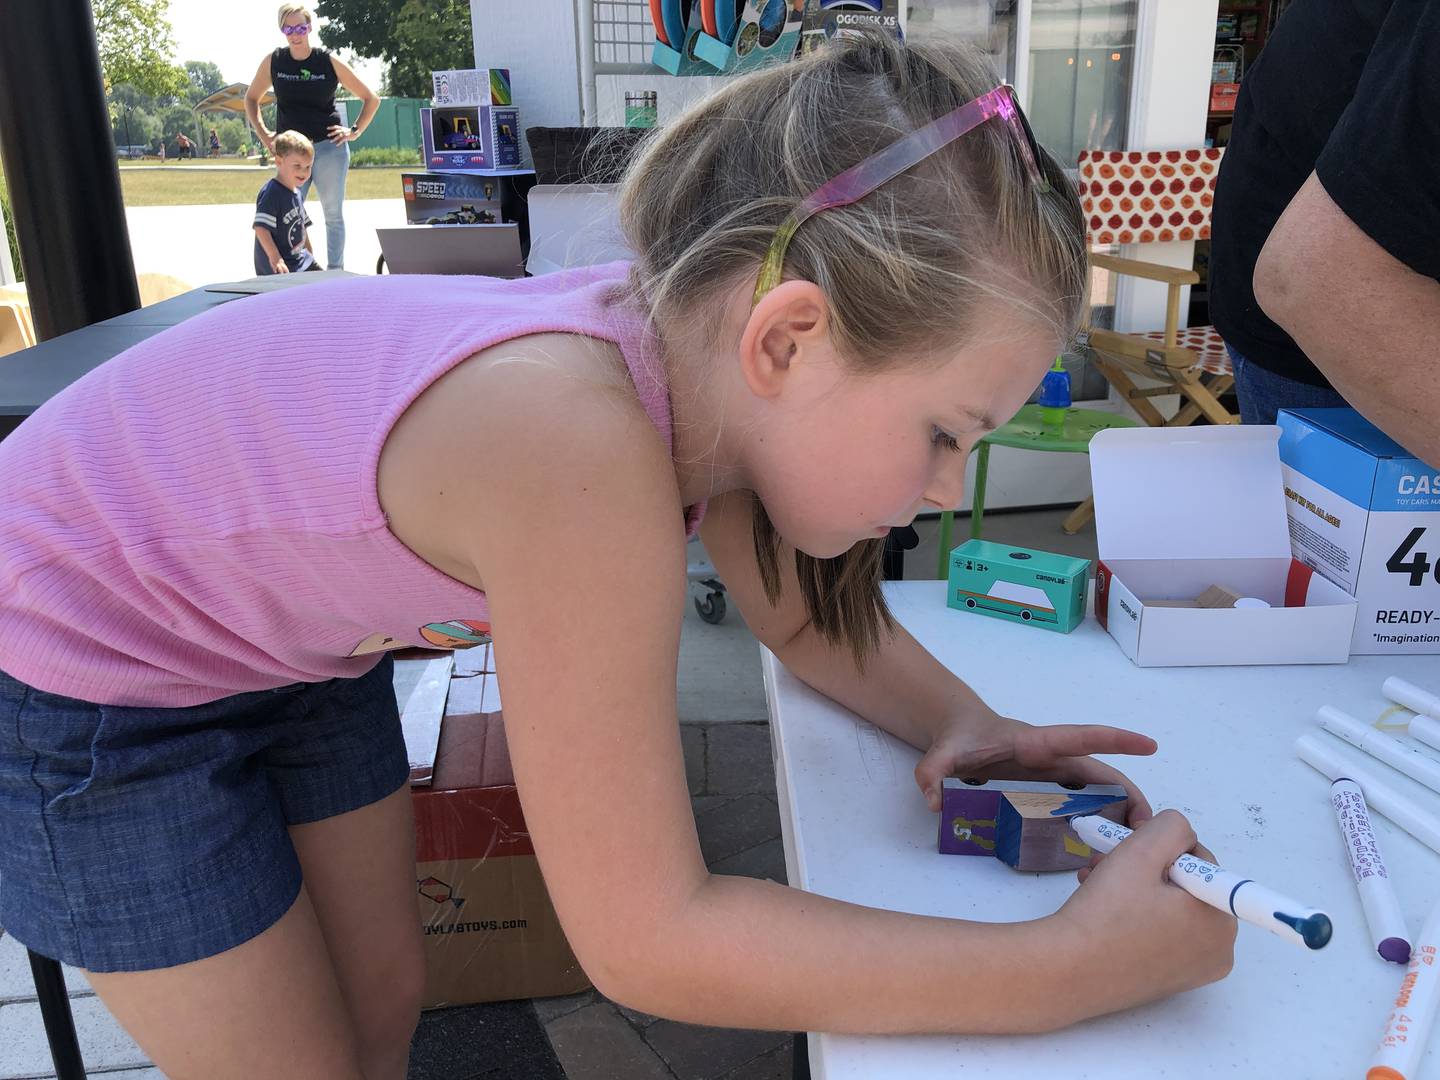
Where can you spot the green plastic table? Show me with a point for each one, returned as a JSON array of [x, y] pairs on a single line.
[[1026, 430]]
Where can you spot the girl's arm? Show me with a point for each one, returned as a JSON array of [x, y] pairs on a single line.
[[253, 96], [903, 688], [573, 530]]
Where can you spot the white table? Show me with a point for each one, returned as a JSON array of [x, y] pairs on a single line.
[[855, 828]]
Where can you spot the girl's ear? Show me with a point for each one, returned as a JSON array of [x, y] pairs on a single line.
[[790, 323]]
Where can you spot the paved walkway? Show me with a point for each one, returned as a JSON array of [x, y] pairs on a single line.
[[205, 244]]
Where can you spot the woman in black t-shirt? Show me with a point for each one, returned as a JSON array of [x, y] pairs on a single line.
[[305, 79]]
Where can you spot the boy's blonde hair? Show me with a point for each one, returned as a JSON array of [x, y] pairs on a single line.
[[292, 142], [905, 269], [287, 10]]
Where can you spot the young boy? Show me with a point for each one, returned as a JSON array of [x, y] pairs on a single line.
[[282, 246]]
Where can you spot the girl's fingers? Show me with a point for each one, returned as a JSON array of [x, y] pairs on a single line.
[[1034, 745]]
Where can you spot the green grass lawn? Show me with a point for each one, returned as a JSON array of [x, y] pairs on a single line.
[[202, 186]]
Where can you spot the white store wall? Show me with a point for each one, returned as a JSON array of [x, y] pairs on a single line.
[[540, 49]]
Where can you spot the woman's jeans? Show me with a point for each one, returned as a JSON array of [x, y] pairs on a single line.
[[1263, 393], [332, 164]]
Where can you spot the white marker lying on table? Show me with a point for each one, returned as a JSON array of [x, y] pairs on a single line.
[[1242, 897], [1425, 705], [1411, 696], [1325, 756], [1379, 745], [1403, 1042], [1382, 910]]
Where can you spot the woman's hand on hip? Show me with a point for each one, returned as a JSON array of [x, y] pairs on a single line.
[[340, 135]]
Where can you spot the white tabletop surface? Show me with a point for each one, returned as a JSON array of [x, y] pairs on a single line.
[[856, 828]]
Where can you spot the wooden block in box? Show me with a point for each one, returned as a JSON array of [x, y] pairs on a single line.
[[490, 931]]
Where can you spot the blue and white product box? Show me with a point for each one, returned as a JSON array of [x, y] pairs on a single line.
[[1178, 510], [1366, 513], [471, 137]]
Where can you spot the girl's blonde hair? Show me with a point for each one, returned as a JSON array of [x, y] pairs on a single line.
[[287, 10], [904, 269]]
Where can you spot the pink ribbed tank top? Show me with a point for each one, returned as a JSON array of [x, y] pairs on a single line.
[[198, 517]]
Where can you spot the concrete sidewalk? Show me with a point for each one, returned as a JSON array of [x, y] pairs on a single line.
[[202, 245]]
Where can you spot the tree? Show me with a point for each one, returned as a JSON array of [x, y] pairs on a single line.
[[132, 116], [136, 43], [177, 120], [413, 37], [205, 79]]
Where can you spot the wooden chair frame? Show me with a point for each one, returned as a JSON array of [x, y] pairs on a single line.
[[1175, 366], [1117, 356]]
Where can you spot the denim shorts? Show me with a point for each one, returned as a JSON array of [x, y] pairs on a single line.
[[141, 838]]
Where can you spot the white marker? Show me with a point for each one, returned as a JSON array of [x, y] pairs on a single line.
[[1382, 910], [1325, 756], [1426, 729], [1425, 725], [1411, 696], [1377, 744], [1409, 1023], [1242, 897]]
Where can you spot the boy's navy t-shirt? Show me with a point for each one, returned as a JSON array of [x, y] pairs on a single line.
[[280, 212]]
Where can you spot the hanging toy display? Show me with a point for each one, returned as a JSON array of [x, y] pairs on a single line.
[[710, 37]]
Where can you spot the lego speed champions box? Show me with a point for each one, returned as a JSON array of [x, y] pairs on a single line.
[[451, 199]]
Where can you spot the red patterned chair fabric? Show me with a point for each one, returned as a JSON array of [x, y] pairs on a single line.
[[1147, 196], [1204, 342]]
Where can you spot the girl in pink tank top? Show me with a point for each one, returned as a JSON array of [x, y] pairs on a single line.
[[848, 269]]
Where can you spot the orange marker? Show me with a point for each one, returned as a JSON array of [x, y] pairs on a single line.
[[1403, 1043]]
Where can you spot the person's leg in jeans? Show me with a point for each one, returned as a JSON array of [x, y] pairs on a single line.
[[332, 166], [1262, 393]]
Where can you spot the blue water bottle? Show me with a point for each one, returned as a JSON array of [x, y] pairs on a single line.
[[1055, 394]]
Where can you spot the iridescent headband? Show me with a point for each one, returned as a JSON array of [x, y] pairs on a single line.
[[860, 180]]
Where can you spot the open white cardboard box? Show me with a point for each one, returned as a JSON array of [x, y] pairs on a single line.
[[1180, 509]]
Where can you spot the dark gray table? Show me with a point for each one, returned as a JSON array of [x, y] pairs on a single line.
[[32, 376]]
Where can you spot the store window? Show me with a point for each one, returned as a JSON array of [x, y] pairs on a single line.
[[1079, 60], [1082, 55]]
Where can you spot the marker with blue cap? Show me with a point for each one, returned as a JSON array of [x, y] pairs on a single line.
[[1242, 897]]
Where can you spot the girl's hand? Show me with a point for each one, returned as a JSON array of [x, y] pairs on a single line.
[[997, 747], [278, 265], [1133, 936]]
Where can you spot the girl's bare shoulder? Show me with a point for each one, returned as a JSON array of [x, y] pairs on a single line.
[[522, 427]]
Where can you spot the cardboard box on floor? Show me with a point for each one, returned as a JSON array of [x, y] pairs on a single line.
[[490, 931], [1178, 510]]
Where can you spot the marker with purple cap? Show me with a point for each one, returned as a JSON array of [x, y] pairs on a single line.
[[1382, 910], [1242, 897]]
